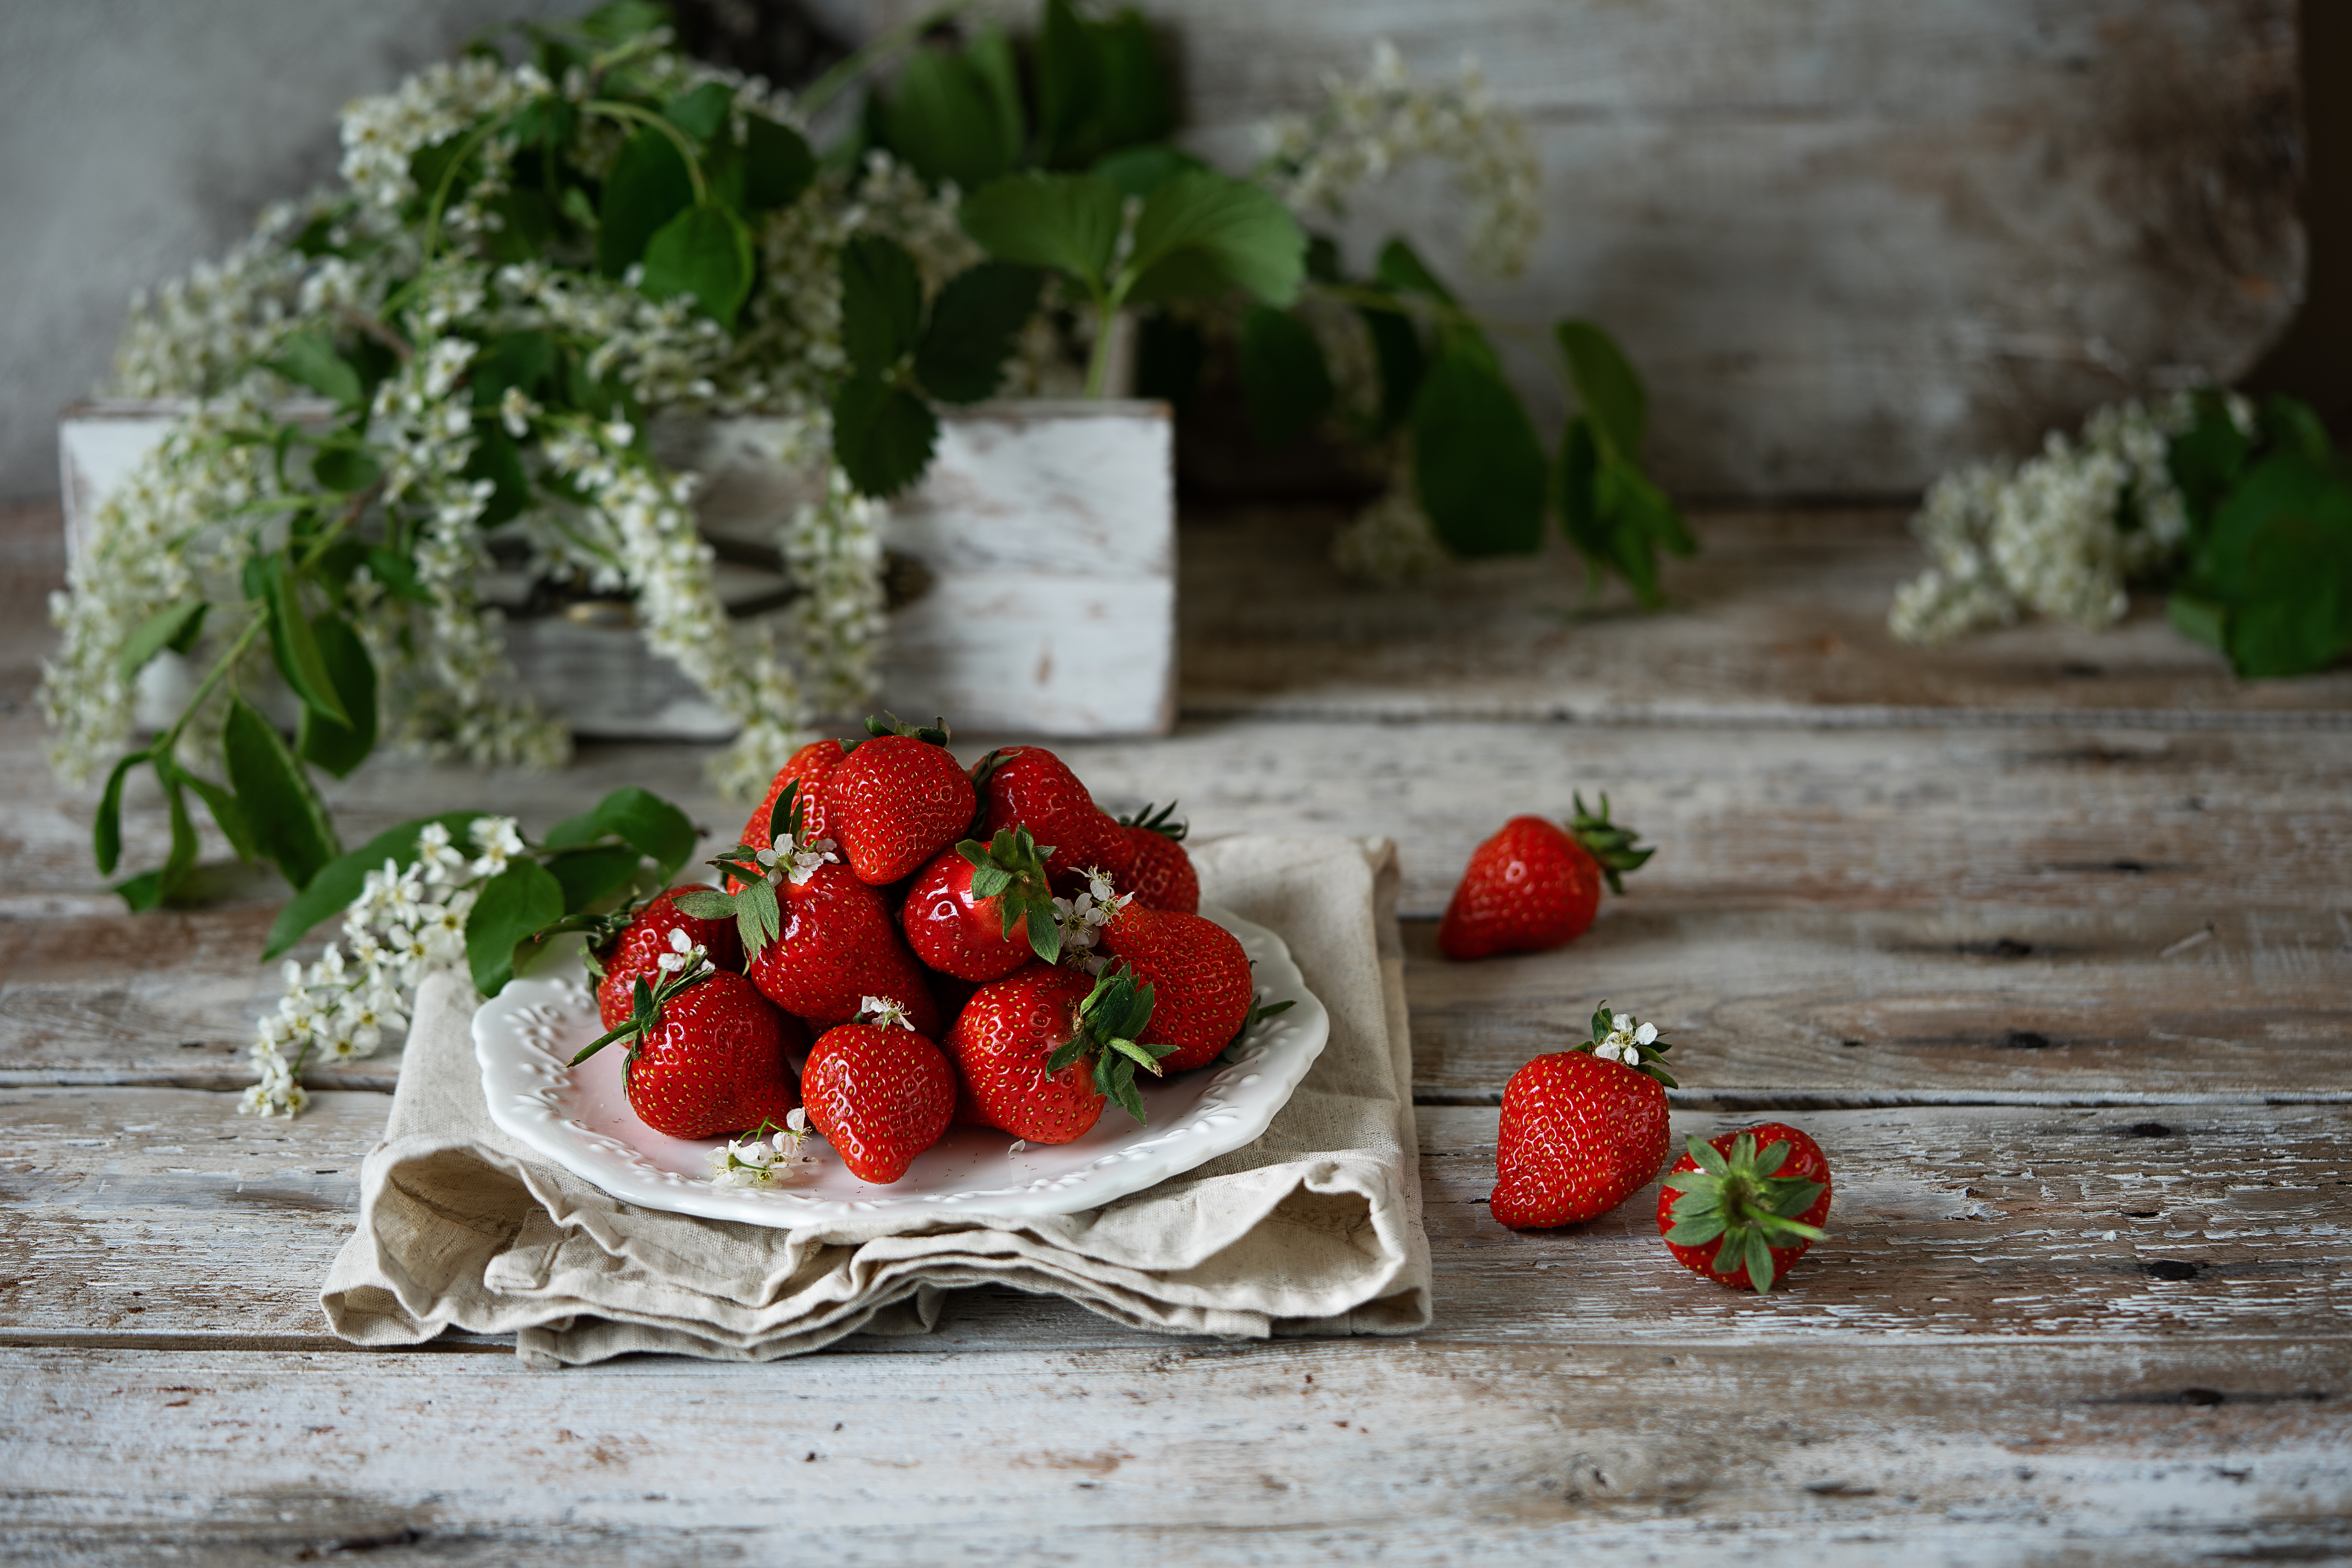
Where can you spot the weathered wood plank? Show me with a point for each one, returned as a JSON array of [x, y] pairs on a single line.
[[1781, 616], [162, 1213], [1346, 1451], [1848, 243]]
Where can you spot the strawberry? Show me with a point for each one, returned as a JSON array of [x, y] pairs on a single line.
[[1582, 1130], [820, 940], [897, 800], [1029, 787], [1534, 886], [1199, 976], [707, 1054], [638, 950], [1157, 871], [1042, 1050], [878, 1091], [808, 769], [979, 910], [1754, 1199]]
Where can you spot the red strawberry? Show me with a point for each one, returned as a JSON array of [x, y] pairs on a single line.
[[1534, 886], [1200, 978], [1041, 1050], [980, 911], [707, 1054], [638, 950], [1157, 871], [1582, 1130], [1754, 1199], [1029, 787], [809, 768], [879, 1093], [897, 800], [835, 945]]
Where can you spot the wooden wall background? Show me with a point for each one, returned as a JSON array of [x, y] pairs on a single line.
[[1848, 242]]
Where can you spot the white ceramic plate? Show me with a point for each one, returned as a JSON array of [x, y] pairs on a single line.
[[579, 1117]]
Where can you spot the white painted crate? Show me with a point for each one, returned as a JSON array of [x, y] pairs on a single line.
[[1045, 530]]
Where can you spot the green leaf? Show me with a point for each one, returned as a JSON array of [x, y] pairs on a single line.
[[514, 906], [701, 113], [182, 859], [311, 360], [526, 360], [1759, 1263], [174, 625], [2200, 620], [974, 322], [882, 436], [1396, 348], [1696, 1232], [106, 833], [2278, 558], [227, 814], [2206, 458], [1605, 381], [1068, 222], [588, 875], [1401, 270], [344, 469], [1639, 518], [1100, 85], [1477, 464], [336, 746], [649, 825], [704, 251], [339, 881], [1285, 379], [777, 163], [397, 572], [2291, 424], [1238, 230], [956, 116], [881, 304], [290, 824], [499, 458], [1575, 492], [648, 186], [1139, 171], [292, 643], [618, 21], [526, 225]]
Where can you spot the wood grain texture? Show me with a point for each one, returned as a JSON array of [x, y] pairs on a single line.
[[1321, 1452], [163, 1215], [1848, 243]]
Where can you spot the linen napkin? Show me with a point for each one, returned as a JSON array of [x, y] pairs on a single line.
[[1312, 1229]]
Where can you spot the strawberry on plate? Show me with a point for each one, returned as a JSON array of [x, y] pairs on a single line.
[[1752, 1199], [1042, 1050], [979, 911], [1029, 787], [1157, 871], [1199, 976], [877, 1091], [707, 1054], [1535, 885], [637, 951], [897, 800], [1582, 1130]]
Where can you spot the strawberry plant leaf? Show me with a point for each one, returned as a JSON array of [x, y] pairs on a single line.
[[174, 627], [1286, 382], [701, 113], [648, 185], [588, 875], [957, 116], [340, 747], [881, 304], [1139, 171], [777, 163], [1201, 225], [637, 817], [513, 906], [1477, 467], [974, 322], [290, 824], [1068, 222], [882, 436], [339, 881], [704, 251]]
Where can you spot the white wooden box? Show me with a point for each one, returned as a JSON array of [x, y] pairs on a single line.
[[1046, 534]]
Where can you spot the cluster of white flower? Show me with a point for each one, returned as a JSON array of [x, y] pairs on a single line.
[[383, 132], [2060, 535], [1372, 124], [1391, 542], [832, 551], [1082, 919], [408, 923], [765, 1155], [196, 334], [1625, 1039], [795, 860], [884, 1013]]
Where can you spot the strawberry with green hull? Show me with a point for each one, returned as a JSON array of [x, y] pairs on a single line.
[[1198, 972], [878, 1091], [1157, 871], [637, 951], [1742, 1208], [1582, 1130], [707, 1054], [897, 800], [1041, 1051], [1029, 787], [1535, 885], [980, 911]]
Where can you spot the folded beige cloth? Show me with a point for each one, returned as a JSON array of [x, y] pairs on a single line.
[[1315, 1229]]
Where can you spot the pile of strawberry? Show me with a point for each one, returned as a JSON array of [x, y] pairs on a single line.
[[986, 947]]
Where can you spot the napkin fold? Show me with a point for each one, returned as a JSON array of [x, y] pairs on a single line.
[[1312, 1229]]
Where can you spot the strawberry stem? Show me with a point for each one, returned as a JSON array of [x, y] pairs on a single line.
[[1610, 844]]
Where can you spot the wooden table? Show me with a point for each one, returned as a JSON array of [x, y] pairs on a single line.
[[2047, 938]]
